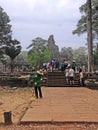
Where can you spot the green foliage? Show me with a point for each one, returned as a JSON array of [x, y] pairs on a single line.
[[34, 59], [82, 23], [89, 18], [80, 55], [24, 54], [46, 55], [38, 44], [7, 46], [66, 53], [39, 53], [5, 30], [12, 50], [79, 51]]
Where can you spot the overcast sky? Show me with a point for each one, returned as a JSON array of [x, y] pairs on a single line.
[[41, 18]]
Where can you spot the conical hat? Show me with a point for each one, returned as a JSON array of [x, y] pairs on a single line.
[[40, 72]]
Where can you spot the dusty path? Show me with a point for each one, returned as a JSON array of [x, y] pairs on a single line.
[[17, 100], [61, 104], [67, 126]]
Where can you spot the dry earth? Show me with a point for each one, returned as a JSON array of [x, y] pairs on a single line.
[[17, 101]]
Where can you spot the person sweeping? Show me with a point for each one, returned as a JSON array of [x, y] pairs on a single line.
[[37, 83]]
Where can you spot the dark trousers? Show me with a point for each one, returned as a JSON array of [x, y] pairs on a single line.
[[81, 82], [38, 92]]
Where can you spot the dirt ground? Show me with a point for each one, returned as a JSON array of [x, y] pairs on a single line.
[[17, 101]]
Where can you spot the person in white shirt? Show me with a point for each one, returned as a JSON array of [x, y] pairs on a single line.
[[71, 76], [67, 75]]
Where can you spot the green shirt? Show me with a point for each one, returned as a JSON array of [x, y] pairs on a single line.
[[37, 79]]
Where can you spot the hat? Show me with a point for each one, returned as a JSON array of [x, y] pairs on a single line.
[[40, 72], [73, 60]]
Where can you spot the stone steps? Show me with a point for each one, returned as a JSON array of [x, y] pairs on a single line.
[[57, 79]]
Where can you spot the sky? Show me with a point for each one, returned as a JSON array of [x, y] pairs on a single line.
[[41, 18]]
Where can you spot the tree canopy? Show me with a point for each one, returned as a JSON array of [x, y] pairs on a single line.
[[89, 23], [8, 46], [39, 53], [66, 53], [5, 30], [12, 50], [82, 23]]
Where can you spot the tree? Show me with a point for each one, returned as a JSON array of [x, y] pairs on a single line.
[[12, 50], [24, 54], [80, 56], [39, 52], [46, 56], [89, 36], [5, 30], [88, 23], [82, 23], [7, 45], [66, 53]]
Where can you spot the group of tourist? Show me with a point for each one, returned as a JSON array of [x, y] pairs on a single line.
[[56, 65], [52, 65], [70, 75], [66, 66], [70, 72]]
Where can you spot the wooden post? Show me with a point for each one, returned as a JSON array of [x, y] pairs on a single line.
[[7, 118]]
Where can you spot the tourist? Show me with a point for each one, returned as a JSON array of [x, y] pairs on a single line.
[[44, 67], [66, 64], [53, 64], [81, 77], [71, 76], [74, 65], [57, 64], [63, 65], [67, 75]]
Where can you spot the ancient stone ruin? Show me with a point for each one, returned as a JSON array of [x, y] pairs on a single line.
[[53, 48]]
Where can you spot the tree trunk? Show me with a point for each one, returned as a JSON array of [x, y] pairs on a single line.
[[89, 36], [12, 65]]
